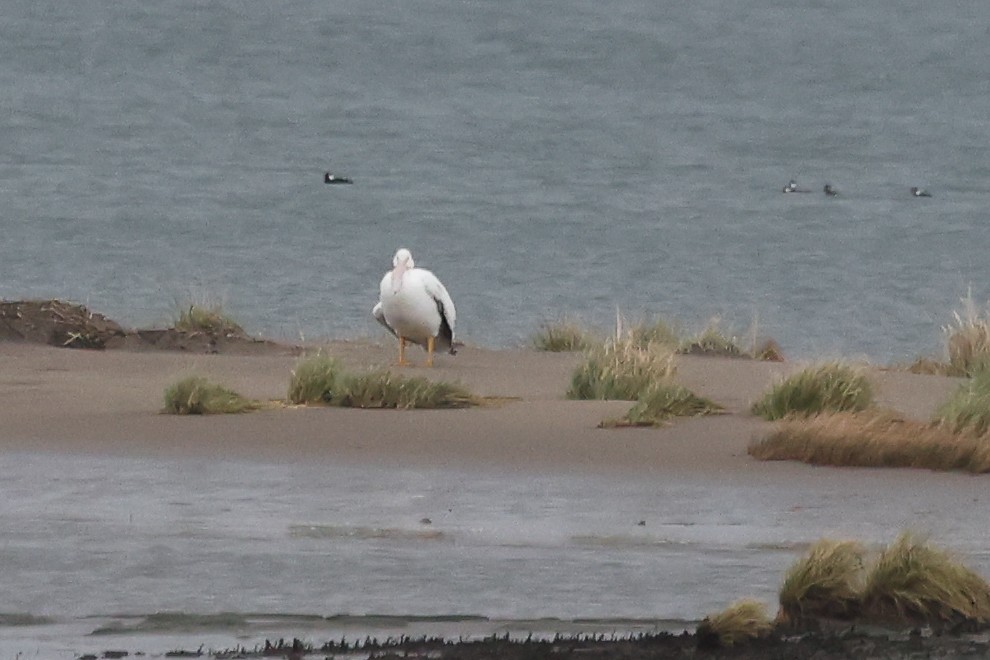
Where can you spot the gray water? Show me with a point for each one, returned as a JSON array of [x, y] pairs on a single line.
[[543, 158], [104, 553]]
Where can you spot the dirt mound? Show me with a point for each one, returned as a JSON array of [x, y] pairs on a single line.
[[56, 323], [68, 325]]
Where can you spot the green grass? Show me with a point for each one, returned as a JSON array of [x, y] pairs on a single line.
[[742, 622], [712, 341], [314, 379], [968, 409], [621, 370], [564, 336], [321, 379], [382, 389], [913, 582], [196, 395], [873, 439], [831, 386], [825, 583], [660, 402], [208, 318]]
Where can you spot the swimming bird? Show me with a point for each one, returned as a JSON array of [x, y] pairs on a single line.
[[329, 177], [792, 186], [415, 307], [920, 192], [830, 191]]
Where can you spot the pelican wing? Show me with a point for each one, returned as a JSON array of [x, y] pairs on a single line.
[[448, 314], [379, 315]]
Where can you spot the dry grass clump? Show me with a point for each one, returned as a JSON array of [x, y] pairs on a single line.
[[831, 386], [968, 409], [564, 336], [743, 621], [968, 340], [321, 379], [825, 583], [654, 333], [712, 341], [196, 395], [661, 401], [206, 318], [873, 439], [915, 583], [314, 380], [620, 369]]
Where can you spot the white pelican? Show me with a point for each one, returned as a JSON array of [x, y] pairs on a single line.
[[414, 306]]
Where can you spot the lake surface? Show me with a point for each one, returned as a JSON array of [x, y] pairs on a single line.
[[564, 158], [543, 159]]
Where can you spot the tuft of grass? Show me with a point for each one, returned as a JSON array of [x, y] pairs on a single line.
[[831, 386], [653, 333], [196, 395], [712, 341], [967, 340], [913, 583], [206, 318], [873, 439], [382, 389], [563, 336], [968, 409], [620, 369], [742, 622], [321, 379], [314, 379], [826, 582], [661, 401]]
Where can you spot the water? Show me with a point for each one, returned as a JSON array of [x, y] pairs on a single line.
[[548, 158], [107, 552], [567, 157]]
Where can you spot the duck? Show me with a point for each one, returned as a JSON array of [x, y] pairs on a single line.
[[792, 187], [830, 191], [919, 192], [330, 177]]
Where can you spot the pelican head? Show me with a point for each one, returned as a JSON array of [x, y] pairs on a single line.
[[401, 262]]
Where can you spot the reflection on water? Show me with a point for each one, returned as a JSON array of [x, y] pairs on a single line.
[[229, 549]]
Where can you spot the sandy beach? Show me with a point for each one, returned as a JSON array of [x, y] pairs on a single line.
[[57, 399]]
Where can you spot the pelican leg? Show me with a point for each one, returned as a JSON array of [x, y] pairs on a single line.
[[402, 352], [430, 346]]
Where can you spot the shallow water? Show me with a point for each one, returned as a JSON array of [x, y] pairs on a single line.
[[161, 554]]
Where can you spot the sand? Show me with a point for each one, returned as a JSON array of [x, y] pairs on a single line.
[[109, 401]]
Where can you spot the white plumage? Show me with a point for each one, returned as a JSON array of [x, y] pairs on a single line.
[[415, 306]]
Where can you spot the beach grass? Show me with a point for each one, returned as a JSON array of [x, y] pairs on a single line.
[[740, 623], [383, 389], [968, 409], [208, 318], [831, 386], [621, 369], [195, 395], [712, 340], [827, 582], [661, 401], [968, 339], [873, 439], [314, 379], [914, 582], [321, 379], [565, 335]]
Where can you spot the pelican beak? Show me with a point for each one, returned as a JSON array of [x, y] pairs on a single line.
[[397, 273]]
